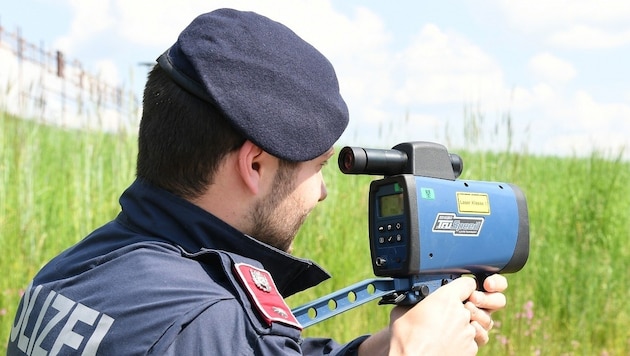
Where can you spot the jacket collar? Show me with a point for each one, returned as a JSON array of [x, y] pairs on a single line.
[[157, 213]]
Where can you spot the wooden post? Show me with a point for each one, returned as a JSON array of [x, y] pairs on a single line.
[[60, 64]]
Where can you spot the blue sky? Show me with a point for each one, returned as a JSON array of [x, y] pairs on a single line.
[[409, 70]]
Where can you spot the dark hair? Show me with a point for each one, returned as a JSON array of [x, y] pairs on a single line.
[[182, 139]]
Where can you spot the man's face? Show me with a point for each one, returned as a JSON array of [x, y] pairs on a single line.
[[297, 189]]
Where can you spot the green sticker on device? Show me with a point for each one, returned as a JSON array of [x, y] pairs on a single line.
[[427, 193]]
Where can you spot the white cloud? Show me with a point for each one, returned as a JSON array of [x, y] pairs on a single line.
[[580, 24], [588, 37], [540, 95], [596, 116], [542, 15], [548, 67], [144, 24], [90, 17], [575, 123], [442, 67]]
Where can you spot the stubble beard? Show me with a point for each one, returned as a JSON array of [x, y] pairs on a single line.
[[276, 219]]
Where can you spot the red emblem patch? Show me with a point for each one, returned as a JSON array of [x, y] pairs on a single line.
[[264, 294]]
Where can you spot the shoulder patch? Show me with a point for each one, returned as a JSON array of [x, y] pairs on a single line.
[[264, 295]]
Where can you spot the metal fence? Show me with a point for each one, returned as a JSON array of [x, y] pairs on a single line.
[[43, 85]]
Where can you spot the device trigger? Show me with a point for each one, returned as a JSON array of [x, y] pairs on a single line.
[[393, 298], [400, 298], [481, 278]]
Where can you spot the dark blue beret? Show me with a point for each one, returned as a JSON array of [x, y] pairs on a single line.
[[276, 89]]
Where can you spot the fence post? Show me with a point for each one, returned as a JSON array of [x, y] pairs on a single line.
[[20, 44], [60, 64], [19, 49], [69, 82]]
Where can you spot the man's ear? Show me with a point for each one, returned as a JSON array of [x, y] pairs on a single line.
[[249, 165]]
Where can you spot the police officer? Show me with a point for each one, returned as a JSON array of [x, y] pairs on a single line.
[[239, 116]]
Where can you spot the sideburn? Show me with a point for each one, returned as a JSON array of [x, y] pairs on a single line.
[[277, 230]]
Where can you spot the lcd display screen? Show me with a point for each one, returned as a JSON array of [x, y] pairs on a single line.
[[391, 205]]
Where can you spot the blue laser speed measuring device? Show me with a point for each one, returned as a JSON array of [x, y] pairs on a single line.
[[427, 228]]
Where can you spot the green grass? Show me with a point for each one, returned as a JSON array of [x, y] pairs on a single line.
[[570, 299], [55, 187]]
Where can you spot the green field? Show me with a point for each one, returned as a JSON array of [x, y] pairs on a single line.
[[570, 299]]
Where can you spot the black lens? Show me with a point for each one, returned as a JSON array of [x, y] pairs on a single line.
[[352, 160], [348, 160], [357, 160]]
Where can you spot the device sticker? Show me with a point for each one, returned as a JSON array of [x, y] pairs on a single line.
[[427, 193], [473, 203], [458, 225]]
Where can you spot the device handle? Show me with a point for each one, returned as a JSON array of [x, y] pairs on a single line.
[[343, 300], [400, 291]]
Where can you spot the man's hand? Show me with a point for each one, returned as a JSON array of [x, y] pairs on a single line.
[[453, 320]]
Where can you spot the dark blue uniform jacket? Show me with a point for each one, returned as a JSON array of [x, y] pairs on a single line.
[[162, 279]]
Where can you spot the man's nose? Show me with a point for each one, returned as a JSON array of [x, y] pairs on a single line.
[[324, 192]]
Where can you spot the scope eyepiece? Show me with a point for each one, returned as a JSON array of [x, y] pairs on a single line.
[[357, 160]]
